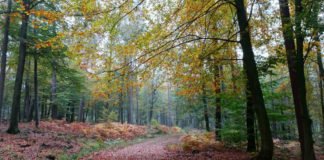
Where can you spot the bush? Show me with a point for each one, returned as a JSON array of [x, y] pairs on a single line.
[[200, 142]]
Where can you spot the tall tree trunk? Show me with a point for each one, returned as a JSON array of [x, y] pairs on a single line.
[[205, 103], [137, 105], [121, 106], [251, 146], [42, 108], [297, 78], [81, 109], [36, 92], [152, 104], [54, 108], [169, 117], [250, 69], [27, 96], [4, 49], [130, 100], [218, 113], [31, 111], [13, 127]]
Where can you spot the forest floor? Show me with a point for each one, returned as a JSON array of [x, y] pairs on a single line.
[[68, 141], [160, 148]]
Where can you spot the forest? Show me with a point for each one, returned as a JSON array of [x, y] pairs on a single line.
[[162, 79]]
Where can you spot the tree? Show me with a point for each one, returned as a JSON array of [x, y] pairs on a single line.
[[251, 72], [250, 118], [295, 60], [13, 127], [4, 49], [36, 102], [54, 108]]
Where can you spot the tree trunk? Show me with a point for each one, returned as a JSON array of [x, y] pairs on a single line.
[[4, 49], [250, 69], [130, 100], [297, 77], [152, 104], [53, 94], [36, 92], [121, 107], [205, 103], [218, 113], [251, 146], [27, 98], [81, 109], [137, 105], [169, 117], [31, 111], [13, 127]]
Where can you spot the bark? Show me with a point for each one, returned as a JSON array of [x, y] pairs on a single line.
[[250, 118], [4, 50], [31, 111], [72, 113], [297, 77], [43, 109], [251, 72], [169, 117], [205, 103], [152, 103], [13, 127], [121, 107], [137, 105], [81, 109], [218, 113], [54, 108], [27, 98], [36, 92], [130, 101]]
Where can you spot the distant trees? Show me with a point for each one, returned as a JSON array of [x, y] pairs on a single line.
[[212, 65]]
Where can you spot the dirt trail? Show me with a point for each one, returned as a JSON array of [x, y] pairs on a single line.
[[152, 149]]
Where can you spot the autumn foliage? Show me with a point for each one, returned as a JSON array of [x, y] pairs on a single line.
[[56, 137], [101, 131], [200, 142]]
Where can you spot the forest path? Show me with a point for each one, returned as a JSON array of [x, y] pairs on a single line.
[[151, 149]]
